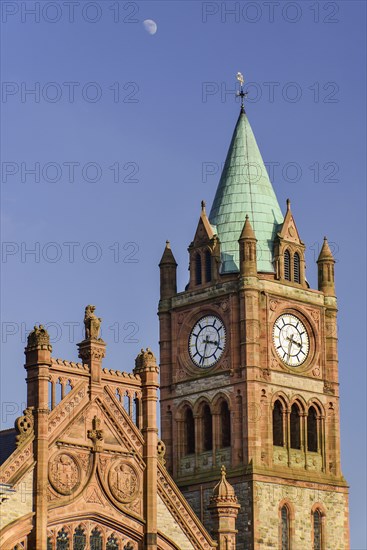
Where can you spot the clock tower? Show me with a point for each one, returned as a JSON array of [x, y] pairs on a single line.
[[249, 366]]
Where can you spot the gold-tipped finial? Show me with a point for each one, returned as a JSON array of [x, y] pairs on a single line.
[[241, 93]]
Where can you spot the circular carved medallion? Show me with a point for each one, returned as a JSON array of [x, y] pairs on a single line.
[[64, 474], [123, 481]]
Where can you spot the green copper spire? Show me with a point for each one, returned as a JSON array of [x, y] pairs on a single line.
[[245, 188]]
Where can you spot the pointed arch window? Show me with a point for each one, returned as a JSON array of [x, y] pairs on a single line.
[[317, 530], [79, 539], [295, 425], [278, 431], [112, 543], [62, 540], [287, 265], [207, 429], [208, 266], [285, 528], [312, 435], [225, 425], [198, 269], [49, 543], [96, 540], [189, 443], [297, 268]]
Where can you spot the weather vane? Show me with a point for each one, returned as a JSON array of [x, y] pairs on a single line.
[[241, 93]]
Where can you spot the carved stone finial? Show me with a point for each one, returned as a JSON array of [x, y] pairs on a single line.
[[161, 451], [203, 206], [96, 434], [24, 426], [38, 338], [92, 323], [288, 204], [223, 491], [145, 359]]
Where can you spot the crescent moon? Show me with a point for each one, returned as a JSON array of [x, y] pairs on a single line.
[[150, 26]]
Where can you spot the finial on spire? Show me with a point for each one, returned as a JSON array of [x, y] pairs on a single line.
[[288, 204], [241, 93], [203, 206]]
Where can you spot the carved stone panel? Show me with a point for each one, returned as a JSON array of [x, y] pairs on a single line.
[[64, 473], [123, 481]]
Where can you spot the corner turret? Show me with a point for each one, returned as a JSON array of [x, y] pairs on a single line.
[[325, 262]]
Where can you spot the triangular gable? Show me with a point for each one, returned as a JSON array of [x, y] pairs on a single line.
[[204, 231], [118, 431], [289, 231]]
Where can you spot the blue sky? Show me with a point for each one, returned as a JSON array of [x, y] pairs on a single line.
[[125, 133]]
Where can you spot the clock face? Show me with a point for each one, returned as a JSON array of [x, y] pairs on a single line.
[[291, 340], [207, 340]]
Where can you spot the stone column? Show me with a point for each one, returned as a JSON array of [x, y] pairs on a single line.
[[224, 509], [146, 367], [38, 362]]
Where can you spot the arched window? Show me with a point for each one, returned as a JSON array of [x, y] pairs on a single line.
[[287, 265], [79, 539], [198, 269], [112, 543], [207, 429], [136, 411], [278, 432], [208, 266], [225, 425], [62, 540], [295, 422], [317, 530], [58, 391], [284, 515], [189, 432], [128, 546], [127, 403], [49, 543], [297, 268], [96, 540], [312, 430]]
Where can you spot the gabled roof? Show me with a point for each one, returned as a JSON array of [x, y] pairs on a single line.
[[245, 188]]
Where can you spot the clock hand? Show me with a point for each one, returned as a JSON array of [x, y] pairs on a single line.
[[294, 341], [289, 347], [203, 356]]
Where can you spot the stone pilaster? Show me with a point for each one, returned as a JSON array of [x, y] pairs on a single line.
[[146, 367], [38, 362]]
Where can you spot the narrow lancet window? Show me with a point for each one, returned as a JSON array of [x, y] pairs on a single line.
[[312, 430], [189, 445], [207, 429], [278, 435], [62, 540], [225, 425], [317, 530], [208, 266], [297, 272], [295, 425], [284, 528], [79, 539], [287, 265], [198, 269]]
